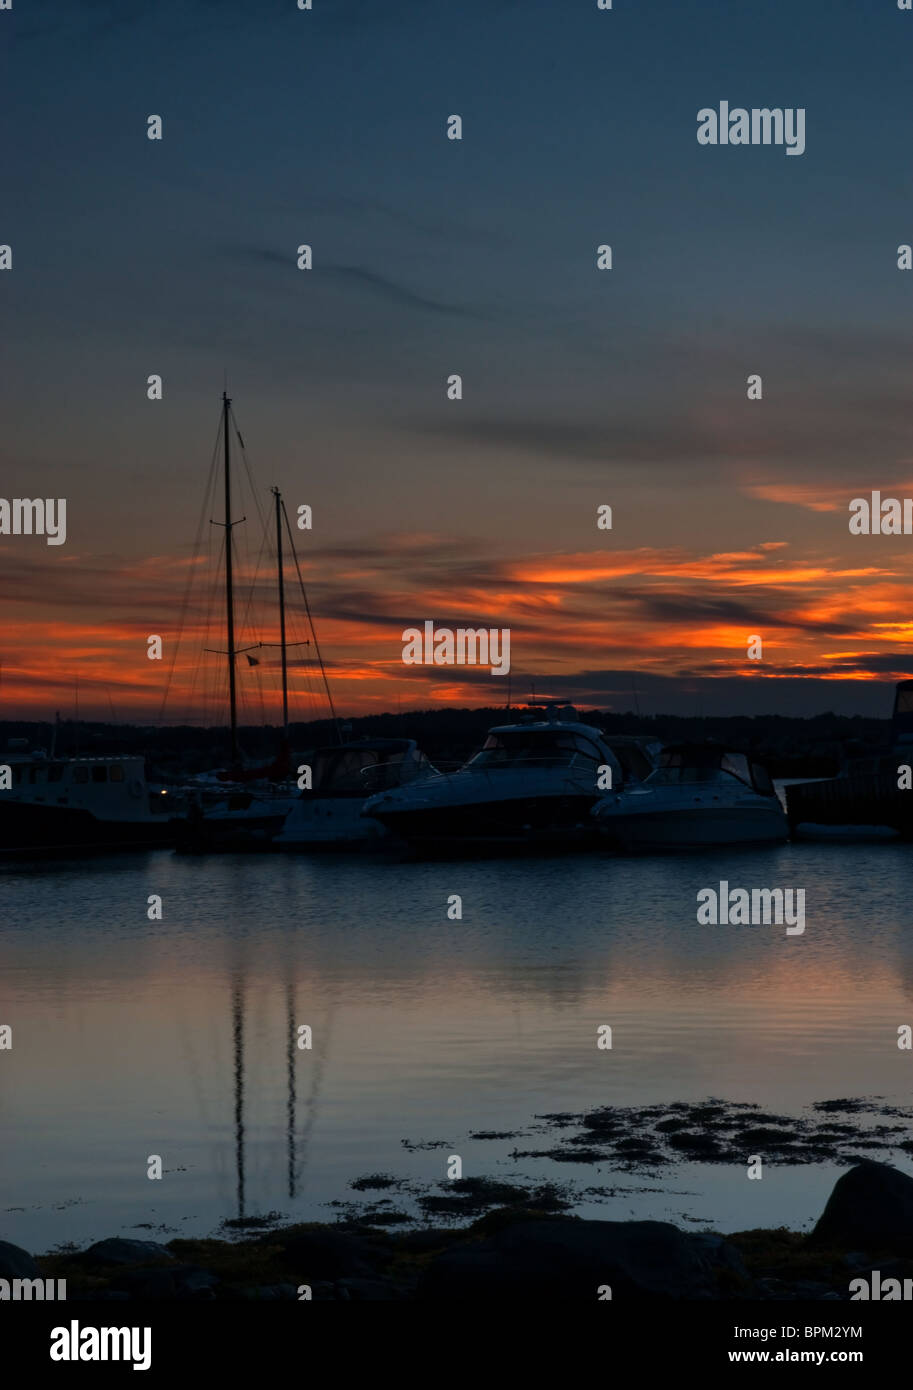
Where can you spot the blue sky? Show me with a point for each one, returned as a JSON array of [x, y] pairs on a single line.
[[432, 256]]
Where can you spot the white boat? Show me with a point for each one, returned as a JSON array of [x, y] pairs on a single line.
[[329, 814], [700, 795], [62, 803], [532, 783]]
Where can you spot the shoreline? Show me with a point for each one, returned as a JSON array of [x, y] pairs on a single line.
[[863, 1241]]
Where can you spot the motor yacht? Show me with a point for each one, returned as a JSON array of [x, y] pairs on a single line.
[[531, 783], [699, 795]]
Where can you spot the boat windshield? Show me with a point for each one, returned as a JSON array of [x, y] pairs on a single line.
[[695, 766], [536, 748], [348, 771]]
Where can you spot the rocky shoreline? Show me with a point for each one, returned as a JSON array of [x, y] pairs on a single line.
[[510, 1252]]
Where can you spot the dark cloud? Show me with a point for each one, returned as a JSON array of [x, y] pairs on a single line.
[[369, 280]]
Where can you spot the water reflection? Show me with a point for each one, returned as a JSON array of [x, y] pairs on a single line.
[[180, 1037]]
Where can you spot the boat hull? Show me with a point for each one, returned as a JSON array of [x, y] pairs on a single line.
[[27, 828], [515, 823], [331, 822], [240, 831], [864, 804], [685, 828]]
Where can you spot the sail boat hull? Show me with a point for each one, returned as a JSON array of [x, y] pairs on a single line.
[[240, 823]]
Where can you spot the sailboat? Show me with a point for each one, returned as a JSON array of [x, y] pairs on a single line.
[[243, 807]]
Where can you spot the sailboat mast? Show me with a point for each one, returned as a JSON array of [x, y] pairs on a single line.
[[278, 496], [307, 609], [229, 591]]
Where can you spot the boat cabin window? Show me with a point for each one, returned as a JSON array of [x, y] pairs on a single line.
[[357, 771], [528, 748], [55, 772], [634, 761], [737, 765], [705, 764], [116, 773], [80, 774], [99, 774], [33, 775]]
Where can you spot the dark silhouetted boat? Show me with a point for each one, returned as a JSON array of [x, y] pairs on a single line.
[[865, 800], [75, 803], [532, 783]]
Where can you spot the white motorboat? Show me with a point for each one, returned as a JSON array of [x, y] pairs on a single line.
[[532, 783], [700, 795], [63, 803]]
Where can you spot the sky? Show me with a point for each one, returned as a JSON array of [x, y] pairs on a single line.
[[581, 387]]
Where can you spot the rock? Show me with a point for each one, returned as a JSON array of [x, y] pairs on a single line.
[[147, 1283], [176, 1281], [192, 1281], [125, 1252], [16, 1263], [327, 1254], [719, 1253], [570, 1259], [272, 1292], [369, 1290], [870, 1207]]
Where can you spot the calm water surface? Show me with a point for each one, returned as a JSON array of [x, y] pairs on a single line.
[[133, 1037]]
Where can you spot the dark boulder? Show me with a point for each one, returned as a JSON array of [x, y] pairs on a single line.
[[16, 1263], [322, 1253], [125, 1252], [871, 1207], [572, 1259], [165, 1281]]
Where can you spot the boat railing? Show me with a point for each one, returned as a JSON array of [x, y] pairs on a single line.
[[583, 781]]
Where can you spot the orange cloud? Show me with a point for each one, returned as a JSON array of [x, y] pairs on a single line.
[[650, 609]]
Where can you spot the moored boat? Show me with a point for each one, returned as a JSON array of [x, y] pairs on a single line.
[[871, 797], [68, 803], [700, 795], [532, 783], [328, 815]]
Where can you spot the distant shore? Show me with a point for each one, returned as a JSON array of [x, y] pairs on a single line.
[[789, 746]]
